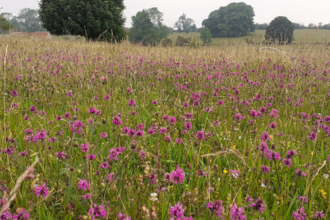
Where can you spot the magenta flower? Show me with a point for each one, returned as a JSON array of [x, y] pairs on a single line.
[[103, 135], [152, 177], [237, 213], [179, 141], [84, 147], [300, 173], [216, 207], [303, 199], [162, 130], [41, 190], [97, 211], [300, 214], [273, 155], [313, 136], [265, 169], [234, 173], [154, 102], [201, 173], [132, 102], [177, 212], [287, 162], [272, 125], [177, 175], [123, 217], [83, 185], [140, 127], [151, 131], [220, 102], [14, 93], [116, 121], [258, 205], [67, 115], [104, 165], [33, 108], [265, 136], [91, 156], [22, 214], [200, 135], [142, 154], [60, 155], [319, 215], [107, 97]]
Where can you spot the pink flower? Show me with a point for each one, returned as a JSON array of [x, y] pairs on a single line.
[[97, 211], [177, 175], [103, 135], [107, 97], [83, 185], [41, 190]]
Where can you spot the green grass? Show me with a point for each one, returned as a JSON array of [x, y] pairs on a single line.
[[300, 36]]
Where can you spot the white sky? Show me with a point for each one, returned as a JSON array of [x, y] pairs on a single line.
[[300, 11]]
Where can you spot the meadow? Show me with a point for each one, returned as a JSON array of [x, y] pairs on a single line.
[[301, 36], [91, 130]]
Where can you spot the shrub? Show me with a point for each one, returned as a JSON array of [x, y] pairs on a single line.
[[280, 30]]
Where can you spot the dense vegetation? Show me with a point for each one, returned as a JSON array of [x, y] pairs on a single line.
[[94, 131]]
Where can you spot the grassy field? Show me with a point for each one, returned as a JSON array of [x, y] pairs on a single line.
[[91, 130], [300, 36]]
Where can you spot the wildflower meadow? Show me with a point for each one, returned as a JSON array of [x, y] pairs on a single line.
[[91, 130]]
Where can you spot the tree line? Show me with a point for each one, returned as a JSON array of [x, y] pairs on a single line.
[[104, 20], [320, 25]]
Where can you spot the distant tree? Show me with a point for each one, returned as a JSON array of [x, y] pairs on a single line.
[[27, 20], [281, 30], [184, 23], [97, 19], [206, 35], [147, 27], [193, 28], [312, 26], [234, 20], [181, 41], [261, 26], [4, 23], [299, 26]]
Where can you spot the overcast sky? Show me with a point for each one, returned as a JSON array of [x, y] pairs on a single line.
[[300, 11]]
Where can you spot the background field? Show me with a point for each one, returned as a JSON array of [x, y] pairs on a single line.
[[300, 36]]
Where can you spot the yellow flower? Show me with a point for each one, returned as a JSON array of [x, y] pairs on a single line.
[[323, 193], [271, 137], [312, 153], [234, 147], [225, 171]]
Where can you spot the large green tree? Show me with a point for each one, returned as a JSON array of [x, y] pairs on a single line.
[[234, 20], [147, 27], [184, 23], [97, 19], [4, 23], [280, 30]]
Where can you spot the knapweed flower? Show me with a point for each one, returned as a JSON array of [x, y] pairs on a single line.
[[14, 93], [313, 136], [142, 154], [154, 102], [265, 136], [177, 212], [41, 190], [116, 121], [177, 175], [291, 153], [162, 130], [237, 213], [22, 214], [107, 97], [265, 169], [5, 215], [168, 139], [60, 155], [132, 102], [300, 214], [273, 155], [287, 162], [97, 211], [304, 199], [300, 173], [104, 165], [179, 141], [258, 205], [103, 135], [152, 177], [84, 147], [200, 135], [91, 157], [272, 125], [216, 207], [201, 173], [123, 217], [318, 215], [83, 185]]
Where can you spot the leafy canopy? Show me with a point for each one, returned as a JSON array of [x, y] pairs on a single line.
[[147, 27], [280, 30], [234, 20], [184, 24], [4, 23], [206, 35], [97, 19]]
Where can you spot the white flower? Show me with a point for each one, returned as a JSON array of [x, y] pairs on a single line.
[[326, 176], [153, 197], [263, 185], [219, 179]]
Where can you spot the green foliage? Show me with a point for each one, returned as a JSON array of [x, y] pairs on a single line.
[[185, 24], [98, 19], [27, 20], [147, 27], [167, 43], [181, 41], [280, 30], [206, 35], [4, 23], [234, 20]]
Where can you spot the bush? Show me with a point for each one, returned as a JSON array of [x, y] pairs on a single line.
[[280, 30], [206, 35], [167, 43], [181, 41]]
